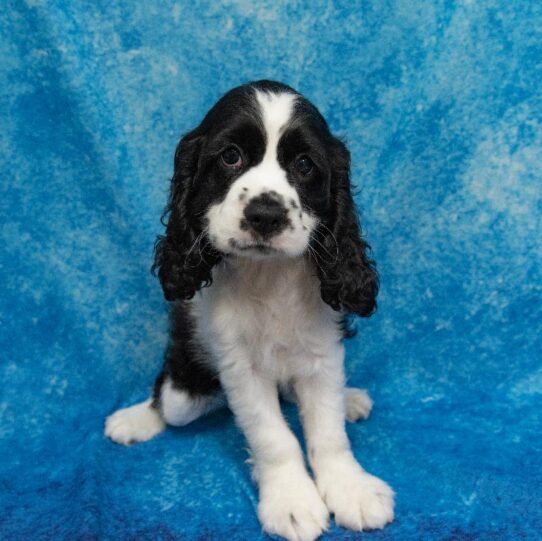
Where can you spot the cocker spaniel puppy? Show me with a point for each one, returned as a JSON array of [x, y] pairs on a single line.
[[262, 260]]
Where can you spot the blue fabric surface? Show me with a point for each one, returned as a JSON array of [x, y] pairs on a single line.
[[441, 105]]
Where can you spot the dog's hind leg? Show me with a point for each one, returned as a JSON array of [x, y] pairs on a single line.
[[176, 407], [358, 404], [179, 407]]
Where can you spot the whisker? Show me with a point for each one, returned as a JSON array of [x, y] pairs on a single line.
[[332, 236], [197, 241], [335, 257], [201, 250], [315, 259]]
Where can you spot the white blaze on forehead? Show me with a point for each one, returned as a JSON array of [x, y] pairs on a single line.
[[276, 111]]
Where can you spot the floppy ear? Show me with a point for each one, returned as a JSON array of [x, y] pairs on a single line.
[[348, 276], [183, 257]]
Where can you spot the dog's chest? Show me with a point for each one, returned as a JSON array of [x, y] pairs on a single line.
[[270, 312]]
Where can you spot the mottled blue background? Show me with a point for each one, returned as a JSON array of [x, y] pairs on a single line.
[[441, 105]]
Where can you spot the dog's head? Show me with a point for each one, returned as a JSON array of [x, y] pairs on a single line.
[[262, 177]]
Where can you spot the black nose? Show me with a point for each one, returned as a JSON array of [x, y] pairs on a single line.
[[265, 215]]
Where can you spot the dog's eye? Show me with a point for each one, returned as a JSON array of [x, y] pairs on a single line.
[[231, 157], [304, 165]]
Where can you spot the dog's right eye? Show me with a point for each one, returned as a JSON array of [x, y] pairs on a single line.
[[231, 157], [304, 165]]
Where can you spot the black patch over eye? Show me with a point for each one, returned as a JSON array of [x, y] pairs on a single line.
[[231, 157], [304, 165]]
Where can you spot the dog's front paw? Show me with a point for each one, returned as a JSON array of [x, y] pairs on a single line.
[[290, 505], [358, 500]]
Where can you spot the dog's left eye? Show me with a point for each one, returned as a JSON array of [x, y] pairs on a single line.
[[231, 157], [304, 165]]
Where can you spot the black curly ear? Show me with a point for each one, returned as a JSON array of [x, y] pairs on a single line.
[[348, 276], [183, 257]]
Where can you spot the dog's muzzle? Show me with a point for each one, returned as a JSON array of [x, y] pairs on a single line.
[[265, 216]]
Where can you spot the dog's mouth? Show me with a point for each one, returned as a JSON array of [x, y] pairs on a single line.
[[247, 248]]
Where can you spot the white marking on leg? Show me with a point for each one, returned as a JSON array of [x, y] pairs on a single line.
[[178, 408], [134, 424], [290, 505], [358, 500]]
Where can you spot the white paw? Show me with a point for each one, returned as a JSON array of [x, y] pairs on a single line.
[[290, 505], [358, 500], [358, 404], [136, 423]]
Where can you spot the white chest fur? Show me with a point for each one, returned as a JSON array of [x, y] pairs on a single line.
[[271, 314]]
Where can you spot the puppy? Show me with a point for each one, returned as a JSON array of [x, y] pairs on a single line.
[[263, 259]]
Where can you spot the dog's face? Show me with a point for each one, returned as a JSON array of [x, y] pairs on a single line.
[[262, 177], [271, 185]]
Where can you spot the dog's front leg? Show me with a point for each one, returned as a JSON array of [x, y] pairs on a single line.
[[357, 499], [290, 504]]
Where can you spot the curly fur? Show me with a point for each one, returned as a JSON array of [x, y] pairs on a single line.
[[348, 276], [184, 257]]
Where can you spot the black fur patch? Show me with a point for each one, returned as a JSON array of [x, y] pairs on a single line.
[[186, 360]]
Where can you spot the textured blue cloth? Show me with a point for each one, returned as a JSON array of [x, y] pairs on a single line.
[[441, 105]]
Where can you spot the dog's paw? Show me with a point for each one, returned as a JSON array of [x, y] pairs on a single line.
[[290, 505], [358, 500], [358, 404], [136, 423]]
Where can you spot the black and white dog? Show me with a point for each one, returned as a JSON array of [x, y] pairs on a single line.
[[263, 258]]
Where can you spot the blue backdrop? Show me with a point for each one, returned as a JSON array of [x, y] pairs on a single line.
[[441, 105]]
